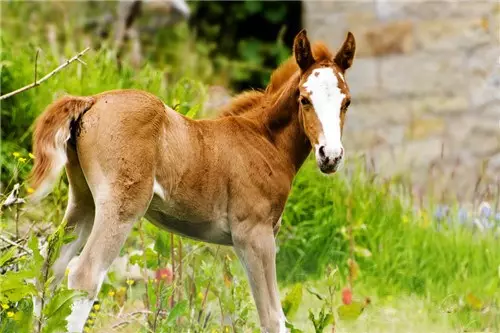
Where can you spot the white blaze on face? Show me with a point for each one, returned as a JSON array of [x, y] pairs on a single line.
[[326, 98]]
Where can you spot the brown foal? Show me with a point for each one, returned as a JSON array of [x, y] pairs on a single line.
[[224, 180]]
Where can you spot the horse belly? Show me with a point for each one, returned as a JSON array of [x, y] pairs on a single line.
[[216, 232]]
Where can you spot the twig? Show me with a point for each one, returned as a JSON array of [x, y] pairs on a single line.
[[36, 62], [6, 240], [46, 77]]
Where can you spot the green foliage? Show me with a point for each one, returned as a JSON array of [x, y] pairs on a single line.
[[292, 300], [263, 32], [323, 319]]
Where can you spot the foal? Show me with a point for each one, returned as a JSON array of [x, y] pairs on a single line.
[[223, 181]]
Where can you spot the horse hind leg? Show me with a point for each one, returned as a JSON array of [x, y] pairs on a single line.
[[79, 217], [114, 218]]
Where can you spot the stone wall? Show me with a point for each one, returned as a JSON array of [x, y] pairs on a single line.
[[425, 83]]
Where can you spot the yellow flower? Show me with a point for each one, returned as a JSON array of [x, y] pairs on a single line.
[[122, 289], [86, 329], [30, 190], [31, 155], [97, 307], [22, 159], [16, 154], [5, 306], [10, 314], [130, 282], [111, 293], [90, 321], [200, 295], [92, 314]]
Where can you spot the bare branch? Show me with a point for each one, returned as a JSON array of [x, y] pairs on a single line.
[[46, 77], [36, 62], [8, 241]]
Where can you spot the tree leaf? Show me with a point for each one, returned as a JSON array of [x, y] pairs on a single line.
[[292, 301], [178, 310], [351, 311]]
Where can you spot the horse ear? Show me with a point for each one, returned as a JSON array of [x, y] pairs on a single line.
[[345, 55], [302, 50]]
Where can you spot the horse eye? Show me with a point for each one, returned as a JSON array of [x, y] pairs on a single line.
[[304, 101]]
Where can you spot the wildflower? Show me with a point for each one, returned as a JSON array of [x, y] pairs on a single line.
[[31, 156], [90, 322], [485, 210], [10, 314], [93, 315], [86, 329], [22, 160], [97, 307], [5, 306], [462, 215], [16, 154], [130, 282], [346, 296], [122, 289], [441, 212], [111, 293]]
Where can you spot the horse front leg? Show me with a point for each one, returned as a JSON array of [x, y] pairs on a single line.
[[256, 249]]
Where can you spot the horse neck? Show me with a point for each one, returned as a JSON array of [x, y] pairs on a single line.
[[283, 126]]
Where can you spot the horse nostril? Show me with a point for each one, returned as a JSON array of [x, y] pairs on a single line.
[[322, 151]]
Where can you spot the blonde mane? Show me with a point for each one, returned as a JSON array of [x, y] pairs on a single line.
[[247, 100]]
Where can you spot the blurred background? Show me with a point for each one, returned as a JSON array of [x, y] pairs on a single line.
[[412, 222]]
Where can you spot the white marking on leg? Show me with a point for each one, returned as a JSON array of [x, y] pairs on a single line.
[[282, 323], [327, 99], [81, 307], [80, 310]]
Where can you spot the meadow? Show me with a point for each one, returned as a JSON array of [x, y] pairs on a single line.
[[357, 252]]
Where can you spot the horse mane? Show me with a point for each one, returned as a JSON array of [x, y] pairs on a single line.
[[248, 100]]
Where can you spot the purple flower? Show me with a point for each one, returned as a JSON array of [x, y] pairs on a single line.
[[485, 210], [441, 212], [462, 215]]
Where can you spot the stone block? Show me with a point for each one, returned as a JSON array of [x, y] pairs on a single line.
[[422, 128], [362, 140], [483, 75], [452, 34], [431, 9], [389, 38], [362, 78], [326, 7], [444, 104], [378, 113], [424, 74]]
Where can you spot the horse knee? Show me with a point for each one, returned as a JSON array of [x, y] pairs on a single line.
[[84, 277]]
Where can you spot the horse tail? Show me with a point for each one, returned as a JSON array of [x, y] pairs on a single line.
[[51, 134]]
